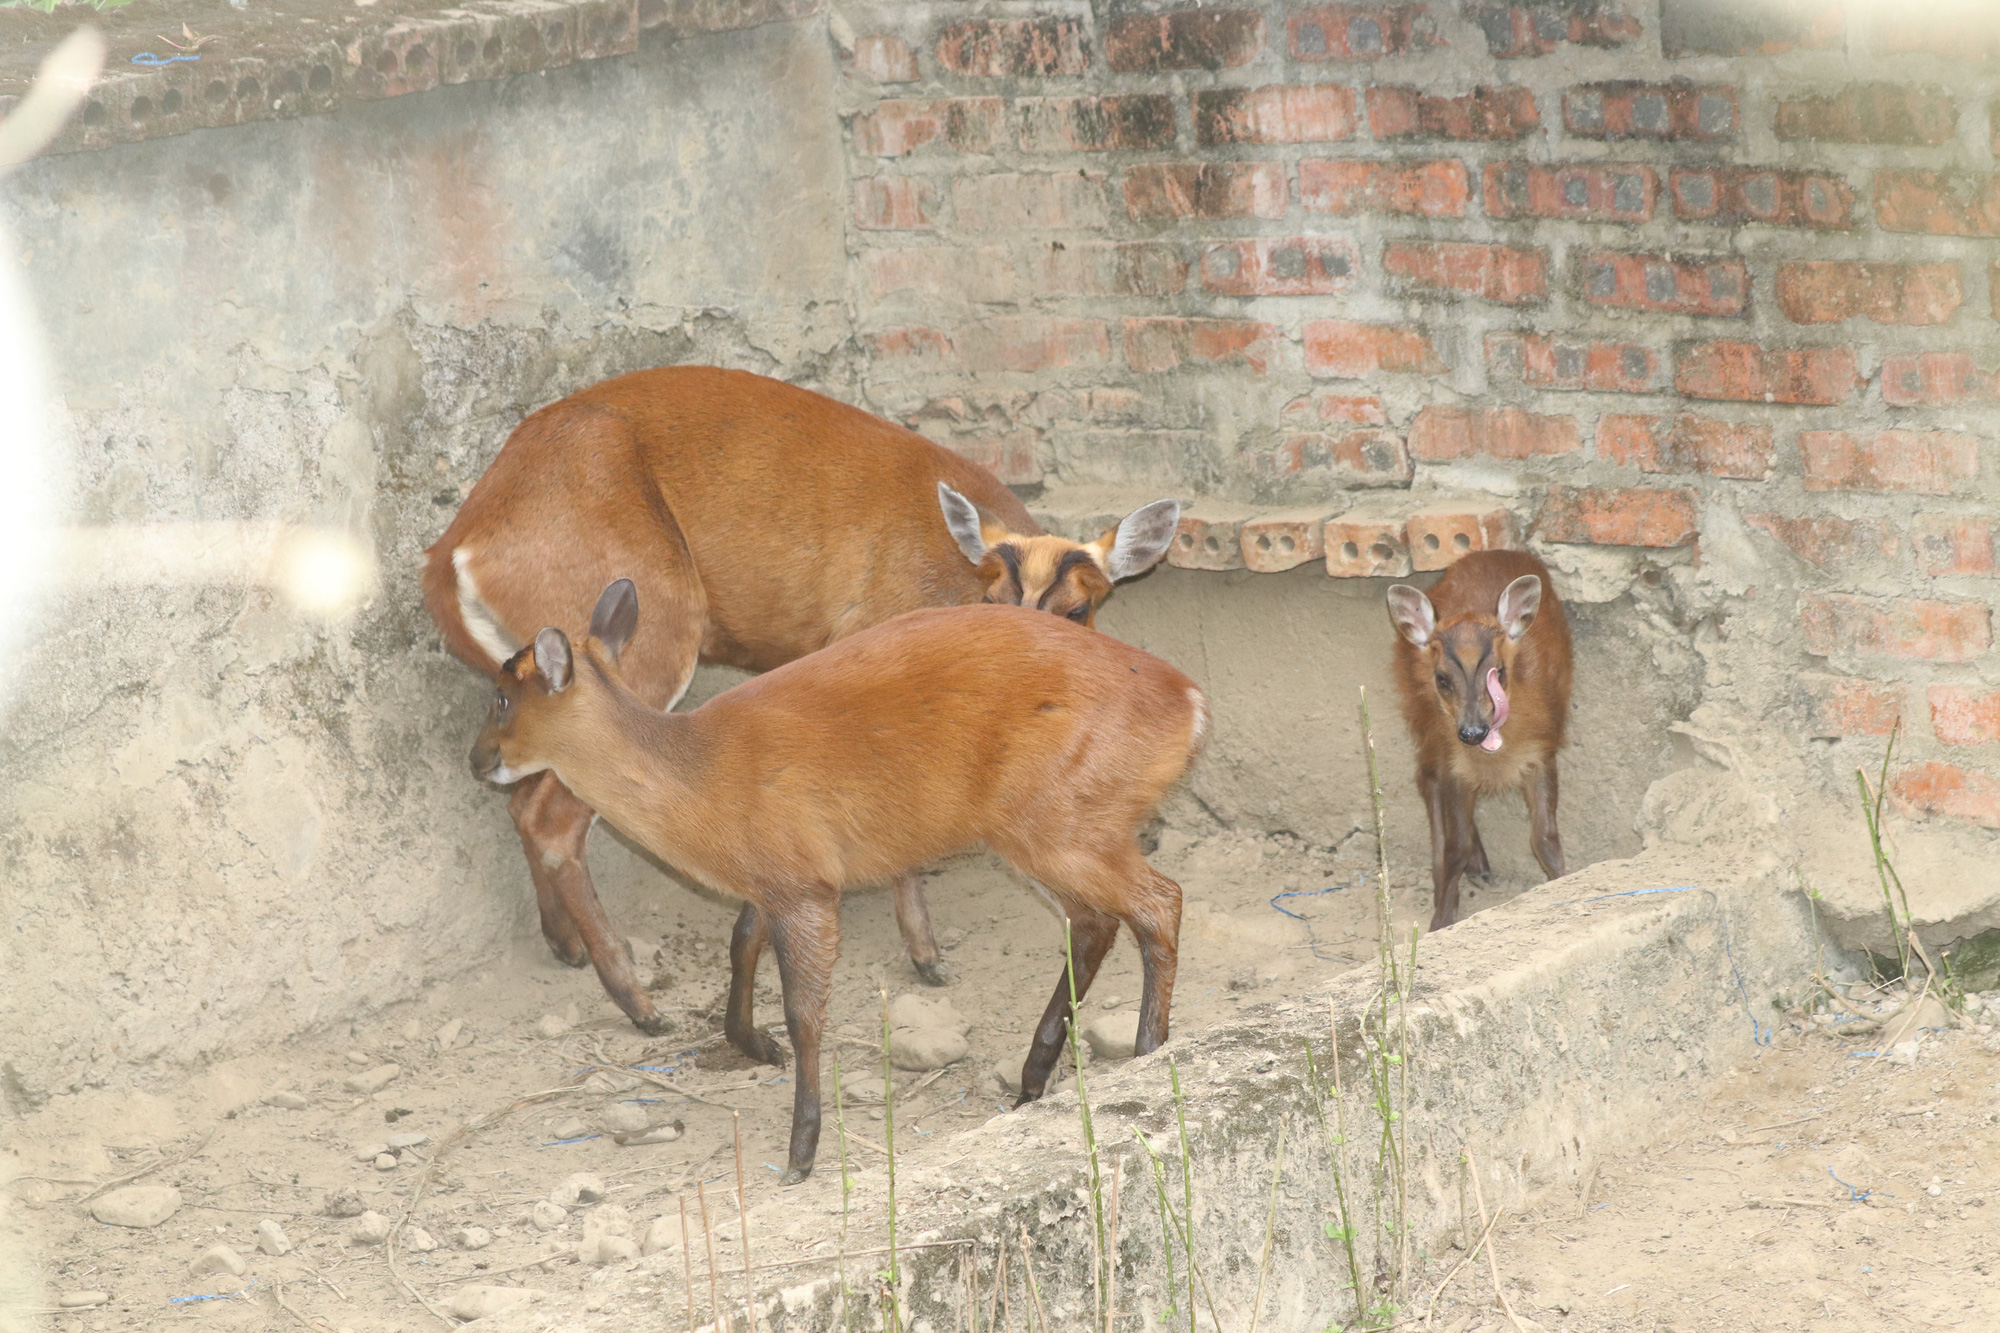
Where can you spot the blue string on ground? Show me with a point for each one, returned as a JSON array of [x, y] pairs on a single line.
[[1854, 1195], [242, 1295], [1759, 1032], [1311, 940], [581, 1138]]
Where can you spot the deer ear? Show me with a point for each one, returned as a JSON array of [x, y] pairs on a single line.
[[616, 618], [1518, 605], [1139, 541], [552, 659], [1412, 614], [961, 518]]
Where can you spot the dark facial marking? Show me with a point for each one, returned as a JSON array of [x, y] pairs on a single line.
[[1071, 559], [1012, 559]]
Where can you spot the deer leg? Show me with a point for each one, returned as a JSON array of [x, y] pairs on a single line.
[[913, 918], [1543, 834], [1156, 928], [1450, 844], [806, 940], [1091, 934], [557, 928], [1475, 857], [746, 946]]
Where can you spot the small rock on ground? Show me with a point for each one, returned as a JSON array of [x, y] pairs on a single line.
[[549, 1216], [1112, 1036], [1911, 1021], [661, 1233], [602, 1250], [552, 1025], [82, 1300], [862, 1090], [579, 1188], [626, 1118], [344, 1203], [399, 1142], [219, 1259], [571, 1128], [137, 1206], [472, 1238], [385, 1161], [371, 1228], [917, 1049], [419, 1241], [476, 1301], [287, 1100], [447, 1036], [271, 1238], [927, 1011], [657, 1134], [374, 1080]]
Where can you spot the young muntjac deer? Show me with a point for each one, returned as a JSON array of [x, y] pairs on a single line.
[[1483, 664], [761, 522], [906, 742]]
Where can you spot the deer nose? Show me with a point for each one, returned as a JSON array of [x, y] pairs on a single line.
[[1473, 734]]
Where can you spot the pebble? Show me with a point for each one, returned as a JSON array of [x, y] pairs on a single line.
[[571, 1128], [220, 1259], [359, 1057], [447, 1036], [271, 1238], [552, 1025], [1112, 1036], [627, 1118], [579, 1188], [927, 1011], [612, 1082], [419, 1241], [472, 1238], [602, 1250], [549, 1216], [412, 1030], [374, 1080], [657, 1134], [862, 1090], [476, 1301], [371, 1228], [344, 1203], [596, 1301], [82, 1300], [385, 1161], [371, 1152], [1904, 1052], [137, 1206], [398, 1142], [661, 1233], [287, 1100], [1008, 1075], [1907, 1024], [926, 1048]]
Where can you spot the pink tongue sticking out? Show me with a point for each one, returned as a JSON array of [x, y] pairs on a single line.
[[1493, 687]]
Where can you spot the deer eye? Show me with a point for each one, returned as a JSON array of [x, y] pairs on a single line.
[[1080, 613], [501, 703], [1444, 685]]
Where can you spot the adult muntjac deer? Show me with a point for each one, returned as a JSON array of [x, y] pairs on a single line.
[[1483, 664], [934, 732], [761, 522]]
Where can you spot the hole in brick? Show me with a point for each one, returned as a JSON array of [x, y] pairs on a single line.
[[387, 62], [142, 107], [1311, 39], [492, 49], [1431, 542], [1461, 541], [1697, 193], [294, 83], [418, 58], [1576, 191], [1650, 577], [1287, 545], [1263, 542], [1382, 552], [247, 90], [171, 102], [1351, 551], [1650, 113], [555, 34], [1628, 193], [593, 30], [1225, 263], [467, 49], [1211, 545], [1365, 36], [321, 78], [94, 114], [1187, 541], [217, 91], [1761, 193]]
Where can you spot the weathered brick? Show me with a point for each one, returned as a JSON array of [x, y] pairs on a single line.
[[1011, 455], [1361, 32], [1569, 363], [1826, 292], [1124, 406], [969, 273], [1205, 540], [1701, 27], [1514, 31], [1190, 39], [1007, 201], [1096, 124], [1937, 788], [1731, 196], [1625, 109], [1908, 627], [900, 126], [1965, 715], [1110, 268], [1937, 203], [1943, 379], [1344, 349], [927, 347], [1827, 542], [1281, 266], [885, 58], [1166, 191], [1442, 433], [1948, 545], [1667, 284], [895, 203], [1321, 406], [1838, 706], [1274, 542], [1601, 516], [1491, 272], [1745, 372], [1360, 546], [1687, 443], [1965, 30], [1489, 114], [1348, 459], [1589, 193], [1011, 48], [1932, 462], [1033, 342], [1440, 534], [1319, 113], [1425, 189], [1870, 113], [1166, 343]]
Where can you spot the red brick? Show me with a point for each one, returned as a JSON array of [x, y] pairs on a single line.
[[895, 203], [1943, 379], [1585, 193], [1343, 349], [1960, 30], [1281, 266], [1006, 201], [1110, 268], [1010, 455], [1514, 31], [1909, 627], [1731, 196], [897, 127], [1165, 191], [1441, 534], [1277, 114], [1442, 433], [1687, 443], [1320, 406], [1564, 363], [1628, 110], [1933, 462], [1274, 542], [1425, 189], [1603, 517], [970, 273], [1033, 342], [1360, 546], [1937, 203], [1826, 542], [1207, 541], [1361, 32], [930, 346], [1937, 788], [1165, 343], [1948, 545], [1871, 113], [1490, 272], [1965, 715], [1665, 284], [1190, 39], [1993, 285], [1009, 48], [1349, 459], [1767, 28], [885, 58], [1489, 114], [1827, 292], [1745, 372], [1096, 124], [1837, 706]]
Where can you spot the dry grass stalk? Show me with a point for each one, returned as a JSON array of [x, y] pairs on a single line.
[[1034, 1288], [1270, 1230], [1111, 1251], [687, 1262], [743, 1221], [1492, 1261], [708, 1238]]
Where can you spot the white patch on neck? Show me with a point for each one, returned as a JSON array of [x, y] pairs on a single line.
[[481, 623]]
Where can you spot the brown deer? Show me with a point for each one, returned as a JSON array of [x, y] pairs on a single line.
[[934, 732], [762, 522], [1483, 664]]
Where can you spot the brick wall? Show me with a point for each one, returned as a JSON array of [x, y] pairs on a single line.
[[1697, 299]]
